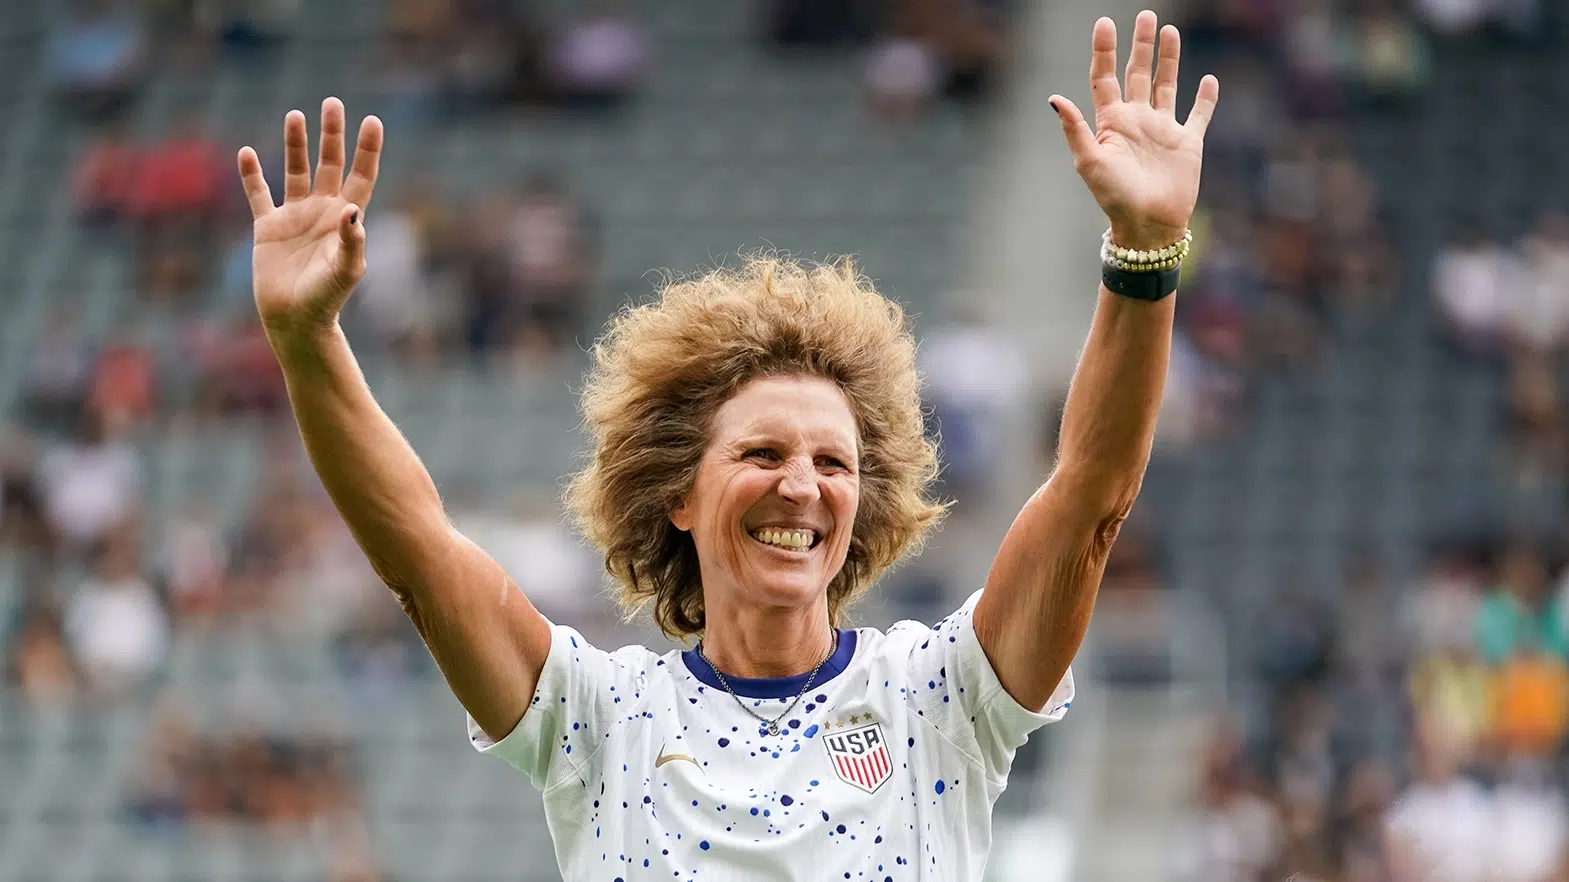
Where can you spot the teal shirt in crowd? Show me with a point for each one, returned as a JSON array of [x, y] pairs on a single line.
[[1503, 625]]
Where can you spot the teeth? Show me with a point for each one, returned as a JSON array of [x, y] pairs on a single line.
[[785, 538]]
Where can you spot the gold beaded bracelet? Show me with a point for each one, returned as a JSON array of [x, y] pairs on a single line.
[[1134, 260]]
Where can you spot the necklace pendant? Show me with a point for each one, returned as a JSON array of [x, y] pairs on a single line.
[[773, 728]]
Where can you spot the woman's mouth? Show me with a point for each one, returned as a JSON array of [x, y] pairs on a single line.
[[787, 539]]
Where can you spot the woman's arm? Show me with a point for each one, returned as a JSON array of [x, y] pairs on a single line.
[[309, 253], [486, 637], [1143, 168]]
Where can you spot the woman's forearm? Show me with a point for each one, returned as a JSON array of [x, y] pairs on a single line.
[[1108, 424], [374, 477]]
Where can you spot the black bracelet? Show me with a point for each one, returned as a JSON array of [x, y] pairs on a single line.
[[1140, 286]]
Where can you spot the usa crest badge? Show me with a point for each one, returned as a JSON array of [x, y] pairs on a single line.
[[860, 756]]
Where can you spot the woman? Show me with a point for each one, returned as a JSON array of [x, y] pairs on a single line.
[[757, 462]]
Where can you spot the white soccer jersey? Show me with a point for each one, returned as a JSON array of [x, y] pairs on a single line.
[[886, 770]]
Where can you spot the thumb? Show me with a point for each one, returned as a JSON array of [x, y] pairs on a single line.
[[1081, 138], [351, 243]]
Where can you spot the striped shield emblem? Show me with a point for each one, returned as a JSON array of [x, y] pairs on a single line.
[[860, 756]]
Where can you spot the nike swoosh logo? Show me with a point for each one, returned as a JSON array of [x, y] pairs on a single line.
[[672, 757]]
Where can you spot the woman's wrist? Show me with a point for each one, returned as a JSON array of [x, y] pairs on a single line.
[[302, 342], [1146, 236]]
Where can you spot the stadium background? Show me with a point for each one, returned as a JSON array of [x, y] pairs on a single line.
[[1339, 606]]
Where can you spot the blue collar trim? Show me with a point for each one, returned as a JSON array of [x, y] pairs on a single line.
[[775, 687]]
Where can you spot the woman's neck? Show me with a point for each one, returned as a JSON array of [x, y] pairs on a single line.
[[767, 643]]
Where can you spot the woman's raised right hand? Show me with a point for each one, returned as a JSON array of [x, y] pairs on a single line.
[[309, 252]]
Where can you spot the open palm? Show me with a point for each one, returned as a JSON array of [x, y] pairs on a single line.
[[309, 252], [1140, 164]]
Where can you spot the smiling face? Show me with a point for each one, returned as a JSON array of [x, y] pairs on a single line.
[[774, 502]]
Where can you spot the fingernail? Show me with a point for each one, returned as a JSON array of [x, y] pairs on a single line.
[[1055, 108], [354, 216]]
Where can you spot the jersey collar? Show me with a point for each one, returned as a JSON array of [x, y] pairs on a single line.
[[775, 687]]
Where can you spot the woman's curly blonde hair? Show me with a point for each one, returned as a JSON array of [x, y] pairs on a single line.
[[663, 369]]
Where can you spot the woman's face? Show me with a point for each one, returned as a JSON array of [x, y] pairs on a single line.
[[776, 492]]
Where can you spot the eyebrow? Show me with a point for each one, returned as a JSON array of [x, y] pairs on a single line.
[[769, 439]]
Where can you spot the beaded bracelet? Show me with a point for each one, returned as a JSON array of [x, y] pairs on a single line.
[[1135, 258], [1143, 275]]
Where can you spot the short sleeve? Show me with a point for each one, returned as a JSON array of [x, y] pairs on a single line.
[[582, 692], [954, 688]]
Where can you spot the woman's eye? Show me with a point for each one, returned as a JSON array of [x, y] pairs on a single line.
[[831, 462], [767, 453]]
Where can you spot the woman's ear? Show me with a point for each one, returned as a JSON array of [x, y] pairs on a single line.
[[681, 517]]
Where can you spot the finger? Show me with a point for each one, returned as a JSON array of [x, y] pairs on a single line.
[[255, 183], [329, 162], [351, 245], [1141, 60], [367, 161], [1166, 72], [296, 157], [1204, 105], [1104, 87], [1081, 138]]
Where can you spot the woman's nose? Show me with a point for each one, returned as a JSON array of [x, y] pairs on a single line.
[[798, 484]]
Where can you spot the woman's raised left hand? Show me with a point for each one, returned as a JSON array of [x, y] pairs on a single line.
[[1141, 165]]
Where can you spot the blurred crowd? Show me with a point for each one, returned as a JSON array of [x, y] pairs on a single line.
[[1398, 732]]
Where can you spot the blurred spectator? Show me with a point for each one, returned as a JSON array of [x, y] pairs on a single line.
[[1390, 58], [1472, 282], [1439, 613], [1538, 321], [821, 23], [1134, 621], [238, 373], [91, 486], [977, 380], [23, 522], [454, 57], [98, 58], [1531, 703], [122, 389], [155, 792], [116, 625], [195, 561], [38, 662], [599, 58], [1292, 638], [1529, 824], [104, 182], [1451, 689], [1440, 827], [1519, 19], [932, 47], [1535, 455], [1452, 17], [181, 180], [1239, 827], [549, 564], [55, 380], [1358, 826], [380, 652], [1519, 612], [270, 543], [246, 25], [903, 73], [249, 776], [398, 298], [528, 270]]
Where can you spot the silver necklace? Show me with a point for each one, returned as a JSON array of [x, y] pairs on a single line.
[[773, 724]]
